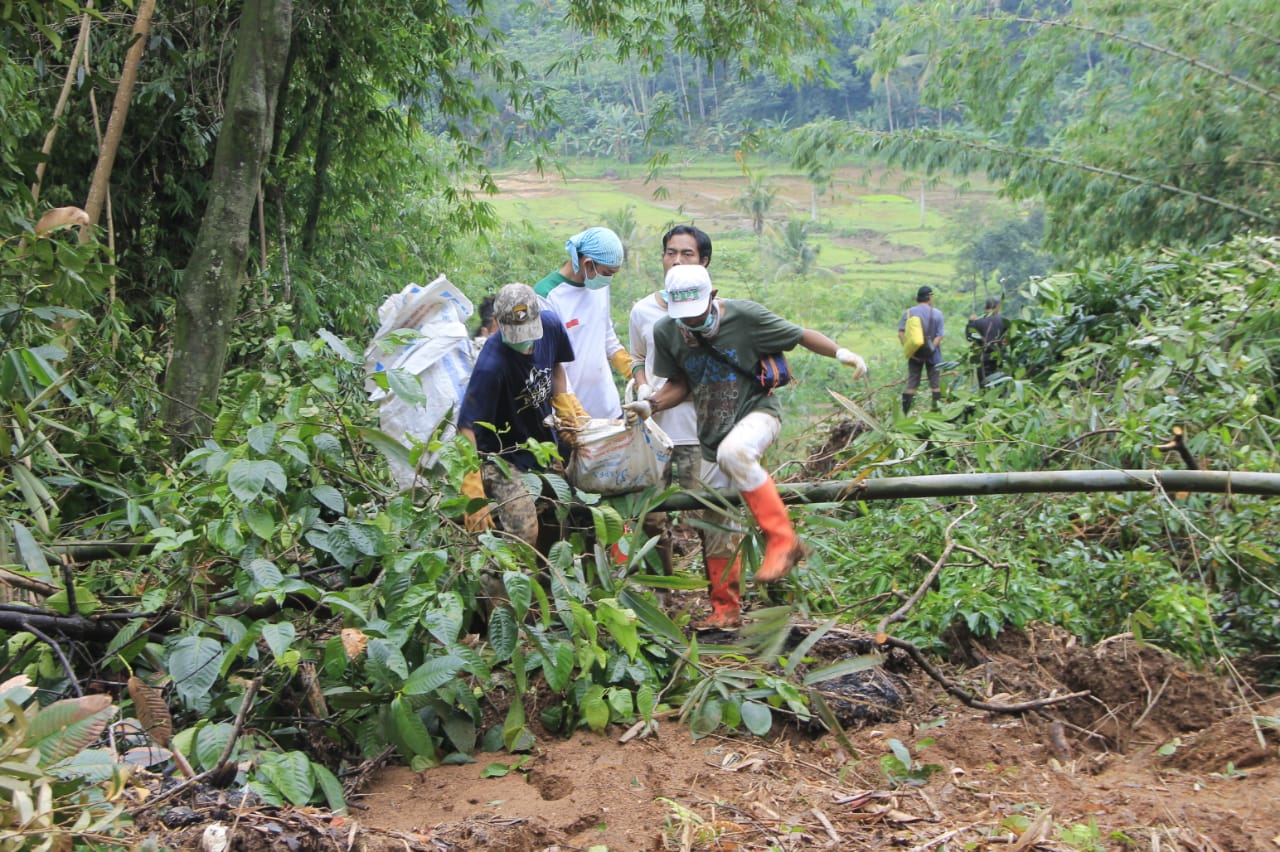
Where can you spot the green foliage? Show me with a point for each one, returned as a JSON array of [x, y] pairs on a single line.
[[1105, 363], [56, 786], [1072, 105], [901, 769]]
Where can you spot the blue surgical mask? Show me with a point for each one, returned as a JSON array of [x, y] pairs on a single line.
[[597, 282], [707, 324]]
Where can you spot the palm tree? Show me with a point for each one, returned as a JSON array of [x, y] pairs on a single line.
[[795, 254], [756, 200], [623, 223]]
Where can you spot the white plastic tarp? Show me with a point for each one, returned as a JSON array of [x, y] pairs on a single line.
[[441, 356]]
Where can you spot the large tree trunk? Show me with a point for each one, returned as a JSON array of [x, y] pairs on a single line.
[[210, 289]]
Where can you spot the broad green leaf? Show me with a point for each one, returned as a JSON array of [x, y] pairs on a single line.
[[193, 664], [757, 717], [329, 497], [339, 347], [516, 735], [503, 632], [519, 591], [432, 674], [279, 637], [262, 437], [595, 712], [331, 787], [291, 774], [385, 444], [260, 521], [557, 665], [620, 702], [387, 661], [247, 478], [70, 725], [120, 640], [87, 602], [367, 539], [210, 742], [706, 717], [406, 386], [265, 574], [444, 621], [646, 700], [608, 524], [410, 733], [621, 625]]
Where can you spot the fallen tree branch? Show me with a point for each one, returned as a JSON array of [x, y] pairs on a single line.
[[964, 697], [901, 612], [236, 729], [57, 650]]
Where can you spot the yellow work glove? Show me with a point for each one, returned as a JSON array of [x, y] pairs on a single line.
[[621, 361], [473, 487], [570, 415], [569, 411]]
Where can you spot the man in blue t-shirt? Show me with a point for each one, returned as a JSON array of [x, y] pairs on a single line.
[[517, 382]]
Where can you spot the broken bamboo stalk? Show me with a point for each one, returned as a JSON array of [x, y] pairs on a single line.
[[979, 484]]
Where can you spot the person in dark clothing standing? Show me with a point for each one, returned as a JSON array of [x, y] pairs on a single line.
[[987, 334], [934, 329], [518, 380]]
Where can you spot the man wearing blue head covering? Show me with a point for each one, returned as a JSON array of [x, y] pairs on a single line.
[[579, 294]]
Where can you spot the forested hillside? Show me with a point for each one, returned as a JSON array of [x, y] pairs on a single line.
[[208, 573]]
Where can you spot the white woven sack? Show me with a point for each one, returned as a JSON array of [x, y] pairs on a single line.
[[614, 458]]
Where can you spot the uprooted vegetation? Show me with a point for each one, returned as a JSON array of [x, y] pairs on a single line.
[[291, 623]]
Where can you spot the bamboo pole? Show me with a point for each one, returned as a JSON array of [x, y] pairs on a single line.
[[892, 488], [980, 484], [119, 113]]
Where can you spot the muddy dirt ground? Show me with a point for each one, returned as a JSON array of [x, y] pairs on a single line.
[[1157, 757]]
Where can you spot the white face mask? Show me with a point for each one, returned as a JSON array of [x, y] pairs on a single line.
[[597, 282]]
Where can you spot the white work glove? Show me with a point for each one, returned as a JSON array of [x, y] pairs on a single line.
[[852, 359], [639, 409], [643, 391]]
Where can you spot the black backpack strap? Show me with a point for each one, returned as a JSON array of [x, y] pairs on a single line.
[[724, 358]]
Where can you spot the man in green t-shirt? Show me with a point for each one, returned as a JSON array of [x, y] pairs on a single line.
[[706, 349]]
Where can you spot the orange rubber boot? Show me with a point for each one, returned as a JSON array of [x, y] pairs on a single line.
[[782, 550], [726, 594]]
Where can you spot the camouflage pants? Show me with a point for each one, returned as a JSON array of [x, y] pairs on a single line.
[[686, 460], [515, 510]]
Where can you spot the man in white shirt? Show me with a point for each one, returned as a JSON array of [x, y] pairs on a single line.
[[579, 294], [683, 244]]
